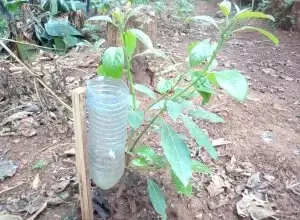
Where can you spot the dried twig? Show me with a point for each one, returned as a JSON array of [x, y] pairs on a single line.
[[11, 188], [43, 207], [35, 75]]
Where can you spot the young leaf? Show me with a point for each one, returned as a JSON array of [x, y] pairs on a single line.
[[130, 43], [164, 86], [199, 167], [237, 8], [201, 138], [203, 87], [113, 62], [139, 162], [145, 90], [174, 109], [100, 71], [145, 151], [253, 14], [181, 189], [157, 198], [177, 154], [150, 156], [144, 38], [273, 38], [101, 18], [191, 46], [200, 52], [234, 84], [202, 114], [225, 7], [204, 19], [135, 118]]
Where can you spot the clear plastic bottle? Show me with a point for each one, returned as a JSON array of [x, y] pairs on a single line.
[[107, 104]]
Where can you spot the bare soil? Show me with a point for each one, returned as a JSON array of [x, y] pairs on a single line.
[[264, 135]]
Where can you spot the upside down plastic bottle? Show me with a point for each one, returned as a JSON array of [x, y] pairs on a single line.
[[107, 104]]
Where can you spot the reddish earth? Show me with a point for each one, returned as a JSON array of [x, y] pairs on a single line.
[[264, 133]]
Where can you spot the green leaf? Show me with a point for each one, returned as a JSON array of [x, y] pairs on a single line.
[[70, 41], [157, 198], [113, 62], [64, 5], [164, 86], [272, 37], [145, 90], [100, 71], [60, 46], [205, 97], [181, 189], [60, 28], [225, 7], [40, 164], [246, 14], [13, 6], [201, 138], [200, 52], [101, 18], [26, 52], [205, 115], [73, 5], [199, 167], [237, 8], [205, 19], [202, 86], [144, 38], [177, 154], [150, 156], [145, 151], [191, 46], [174, 109], [130, 43], [135, 118], [233, 83], [139, 162]]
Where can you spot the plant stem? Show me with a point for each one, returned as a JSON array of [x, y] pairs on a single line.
[[146, 128], [128, 71], [166, 94]]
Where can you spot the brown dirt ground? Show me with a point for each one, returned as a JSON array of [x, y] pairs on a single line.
[[273, 106]]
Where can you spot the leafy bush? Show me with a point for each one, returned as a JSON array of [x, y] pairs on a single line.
[[176, 98]]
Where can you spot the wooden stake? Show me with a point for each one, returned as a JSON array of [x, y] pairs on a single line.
[[78, 98]]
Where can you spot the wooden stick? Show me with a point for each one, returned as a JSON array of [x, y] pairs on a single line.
[[78, 98]]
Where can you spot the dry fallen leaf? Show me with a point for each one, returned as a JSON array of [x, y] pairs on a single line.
[[252, 206], [216, 185], [220, 142], [60, 186], [16, 116], [254, 181], [36, 182]]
